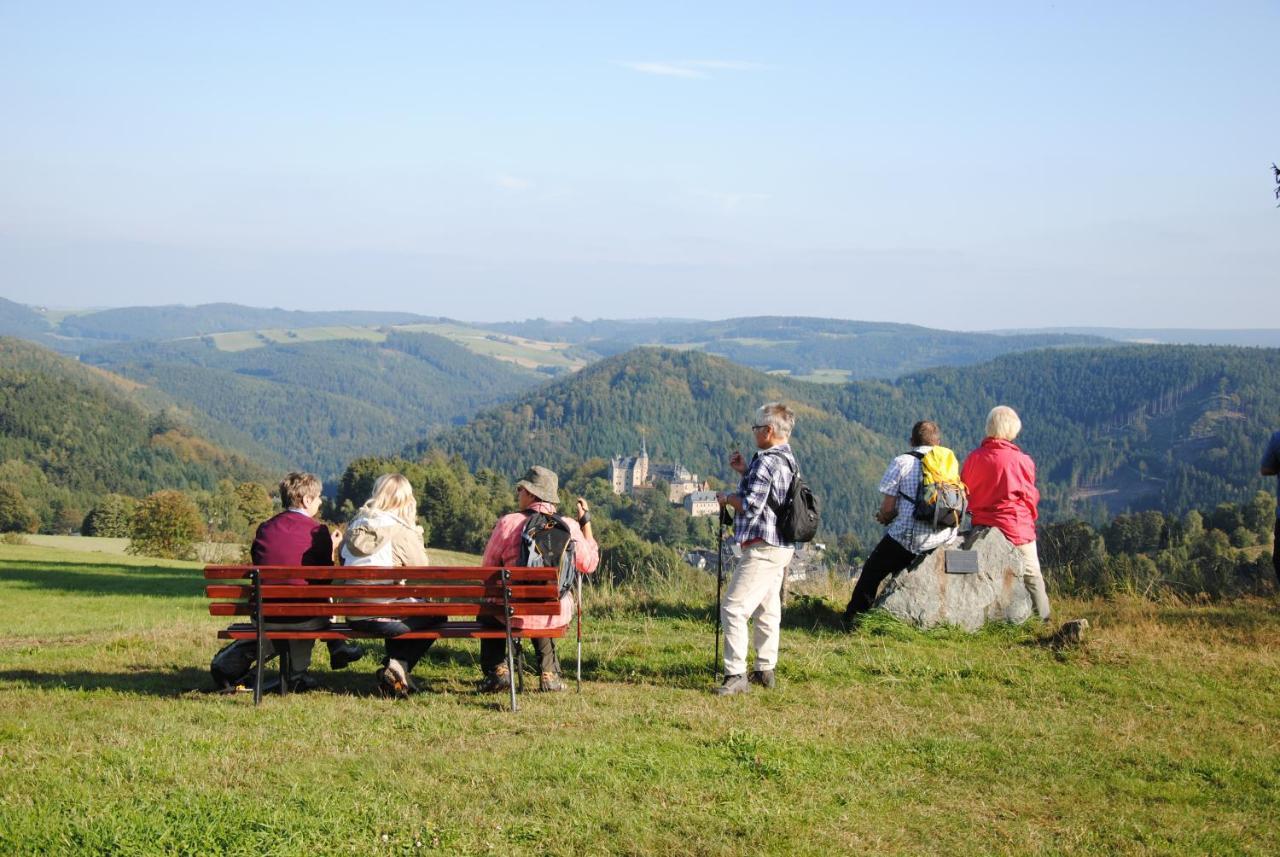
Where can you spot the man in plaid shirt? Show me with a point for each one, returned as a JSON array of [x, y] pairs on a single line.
[[755, 590], [906, 538]]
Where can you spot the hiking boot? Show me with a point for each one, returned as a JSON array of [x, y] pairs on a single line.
[[225, 683], [298, 683], [733, 684], [393, 681], [344, 655], [550, 683], [764, 678], [497, 680]]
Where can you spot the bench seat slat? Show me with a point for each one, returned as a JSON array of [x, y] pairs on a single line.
[[454, 630], [537, 608]]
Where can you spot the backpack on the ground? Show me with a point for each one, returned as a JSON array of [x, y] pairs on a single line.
[[942, 498], [546, 542], [798, 516]]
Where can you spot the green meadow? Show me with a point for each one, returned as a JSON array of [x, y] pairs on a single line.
[[1161, 734]]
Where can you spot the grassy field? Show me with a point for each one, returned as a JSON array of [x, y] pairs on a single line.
[[243, 340], [1160, 735], [529, 353]]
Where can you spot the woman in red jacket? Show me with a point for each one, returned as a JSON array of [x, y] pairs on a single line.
[[1002, 493]]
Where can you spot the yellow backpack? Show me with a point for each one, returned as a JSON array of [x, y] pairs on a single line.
[[942, 499]]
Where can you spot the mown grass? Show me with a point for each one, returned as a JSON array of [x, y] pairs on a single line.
[[1158, 736]]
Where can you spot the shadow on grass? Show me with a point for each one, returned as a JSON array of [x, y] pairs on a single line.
[[91, 579], [162, 683], [802, 612]]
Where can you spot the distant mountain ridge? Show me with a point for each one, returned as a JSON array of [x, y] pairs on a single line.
[[819, 348], [1254, 337], [131, 324]]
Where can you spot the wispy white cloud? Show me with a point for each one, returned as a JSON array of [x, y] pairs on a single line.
[[509, 182], [689, 68]]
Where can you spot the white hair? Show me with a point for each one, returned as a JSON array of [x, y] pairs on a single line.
[[1003, 423], [778, 417]]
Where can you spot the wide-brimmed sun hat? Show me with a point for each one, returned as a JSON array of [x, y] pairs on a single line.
[[541, 483]]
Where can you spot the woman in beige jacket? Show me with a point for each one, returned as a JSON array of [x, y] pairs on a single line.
[[385, 533]]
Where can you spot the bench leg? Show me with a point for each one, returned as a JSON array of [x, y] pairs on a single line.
[[511, 668], [286, 668], [520, 663], [261, 637]]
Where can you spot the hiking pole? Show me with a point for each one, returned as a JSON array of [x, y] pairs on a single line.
[[579, 584], [715, 666]]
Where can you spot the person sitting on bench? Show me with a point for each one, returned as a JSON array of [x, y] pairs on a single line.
[[293, 537], [536, 495], [385, 532]]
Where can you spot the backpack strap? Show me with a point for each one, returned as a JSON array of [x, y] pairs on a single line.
[[918, 456], [794, 466]]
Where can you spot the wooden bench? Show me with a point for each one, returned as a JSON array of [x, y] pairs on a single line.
[[473, 603]]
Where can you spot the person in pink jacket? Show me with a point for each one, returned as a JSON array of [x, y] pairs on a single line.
[[1002, 493], [538, 491]]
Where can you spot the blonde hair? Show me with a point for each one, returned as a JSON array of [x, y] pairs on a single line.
[[393, 493], [1003, 423], [297, 489]]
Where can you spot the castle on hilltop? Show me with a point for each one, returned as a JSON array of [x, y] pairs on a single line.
[[629, 472]]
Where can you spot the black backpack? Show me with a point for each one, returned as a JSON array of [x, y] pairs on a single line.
[[546, 542], [798, 516]]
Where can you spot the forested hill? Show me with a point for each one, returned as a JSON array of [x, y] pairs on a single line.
[[1135, 427], [688, 407], [70, 434], [318, 405], [1140, 427]]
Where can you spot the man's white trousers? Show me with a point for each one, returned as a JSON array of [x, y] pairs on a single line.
[[755, 592]]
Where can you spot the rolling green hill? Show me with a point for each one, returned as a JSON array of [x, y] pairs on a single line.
[[320, 404], [71, 433], [1120, 428]]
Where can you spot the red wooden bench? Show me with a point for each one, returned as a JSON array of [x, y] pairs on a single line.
[[463, 597]]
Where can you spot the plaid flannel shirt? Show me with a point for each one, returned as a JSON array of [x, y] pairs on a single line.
[[768, 475], [902, 480]]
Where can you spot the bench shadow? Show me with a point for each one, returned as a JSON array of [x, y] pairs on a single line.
[[159, 683], [89, 579]]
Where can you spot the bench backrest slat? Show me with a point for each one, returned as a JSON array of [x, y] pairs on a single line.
[[275, 572], [394, 609]]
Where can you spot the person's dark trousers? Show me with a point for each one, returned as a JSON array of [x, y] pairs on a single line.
[[407, 652], [888, 558], [1275, 550], [494, 652], [232, 663]]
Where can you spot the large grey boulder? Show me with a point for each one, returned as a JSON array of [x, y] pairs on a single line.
[[926, 596]]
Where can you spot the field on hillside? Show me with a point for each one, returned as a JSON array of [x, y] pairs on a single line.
[[1158, 736], [529, 353], [245, 339]]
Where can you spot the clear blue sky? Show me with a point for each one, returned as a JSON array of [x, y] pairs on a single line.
[[1010, 164]]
